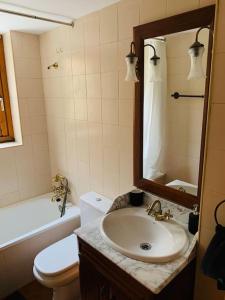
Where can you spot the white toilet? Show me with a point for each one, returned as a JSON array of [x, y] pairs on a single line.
[[57, 266]]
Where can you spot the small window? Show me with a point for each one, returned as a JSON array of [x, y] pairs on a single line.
[[6, 126]]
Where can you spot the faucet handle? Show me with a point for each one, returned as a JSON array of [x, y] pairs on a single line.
[[148, 209], [168, 215]]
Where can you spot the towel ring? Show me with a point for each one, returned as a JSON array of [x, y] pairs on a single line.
[[215, 212]]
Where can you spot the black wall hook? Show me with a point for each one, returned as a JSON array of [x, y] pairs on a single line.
[[216, 209]]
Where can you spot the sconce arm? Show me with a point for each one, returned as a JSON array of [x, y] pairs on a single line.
[[197, 33], [154, 57]]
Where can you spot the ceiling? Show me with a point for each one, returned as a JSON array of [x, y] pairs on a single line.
[[63, 10]]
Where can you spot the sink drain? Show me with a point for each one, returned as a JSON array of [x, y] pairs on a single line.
[[145, 246]]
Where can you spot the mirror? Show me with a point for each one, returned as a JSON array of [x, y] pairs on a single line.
[[173, 96], [172, 127]]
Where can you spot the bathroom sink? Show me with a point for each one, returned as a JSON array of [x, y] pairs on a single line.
[[134, 233]]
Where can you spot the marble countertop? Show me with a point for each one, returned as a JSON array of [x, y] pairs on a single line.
[[153, 276]]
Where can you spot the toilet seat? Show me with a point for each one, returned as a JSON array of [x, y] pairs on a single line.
[[57, 265], [58, 280]]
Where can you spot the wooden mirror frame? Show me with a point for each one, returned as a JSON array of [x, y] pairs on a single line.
[[182, 22]]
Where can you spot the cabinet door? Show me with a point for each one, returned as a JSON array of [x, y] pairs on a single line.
[[92, 284], [116, 294]]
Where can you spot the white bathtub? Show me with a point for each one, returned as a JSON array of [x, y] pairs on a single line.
[[25, 229]]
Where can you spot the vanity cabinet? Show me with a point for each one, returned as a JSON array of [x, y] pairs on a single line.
[[101, 279]]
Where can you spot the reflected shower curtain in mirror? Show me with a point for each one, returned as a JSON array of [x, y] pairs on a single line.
[[154, 123]]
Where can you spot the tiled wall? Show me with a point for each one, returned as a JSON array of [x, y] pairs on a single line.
[[89, 106], [25, 170], [214, 188]]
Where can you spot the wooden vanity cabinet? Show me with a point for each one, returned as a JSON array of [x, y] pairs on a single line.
[[101, 279]]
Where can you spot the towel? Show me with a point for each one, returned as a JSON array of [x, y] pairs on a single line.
[[213, 263]]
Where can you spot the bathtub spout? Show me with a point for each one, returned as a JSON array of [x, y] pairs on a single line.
[[60, 189], [63, 206]]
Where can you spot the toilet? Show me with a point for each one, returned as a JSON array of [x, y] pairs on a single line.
[[57, 266]]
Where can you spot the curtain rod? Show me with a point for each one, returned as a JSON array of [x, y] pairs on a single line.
[[36, 17]]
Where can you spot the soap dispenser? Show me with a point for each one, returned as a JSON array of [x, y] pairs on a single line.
[[193, 220]]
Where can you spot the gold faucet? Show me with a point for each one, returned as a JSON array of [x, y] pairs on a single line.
[[59, 187], [157, 212]]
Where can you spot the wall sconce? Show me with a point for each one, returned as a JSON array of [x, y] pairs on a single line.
[[155, 66], [131, 61], [55, 66], [196, 51]]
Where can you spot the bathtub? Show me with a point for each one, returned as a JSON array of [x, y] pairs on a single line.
[[187, 187], [26, 228]]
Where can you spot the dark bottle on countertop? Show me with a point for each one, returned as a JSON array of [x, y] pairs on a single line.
[[193, 220], [136, 197]]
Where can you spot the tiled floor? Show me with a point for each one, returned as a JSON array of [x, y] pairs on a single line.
[[33, 291]]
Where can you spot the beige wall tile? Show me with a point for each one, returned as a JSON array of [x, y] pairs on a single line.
[[92, 59], [79, 87], [126, 89], [215, 171], [21, 176], [111, 172], [29, 88], [95, 134], [108, 24], [206, 2], [177, 6], [69, 109], [110, 111], [110, 85], [94, 110], [220, 42], [28, 67], [91, 30], [81, 112], [217, 127], [82, 141], [126, 112], [83, 178], [8, 174], [76, 36], [128, 17], [96, 164], [151, 10], [110, 135], [218, 78], [93, 86], [109, 57], [78, 62]]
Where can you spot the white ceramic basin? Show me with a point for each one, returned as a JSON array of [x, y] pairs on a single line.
[[137, 235]]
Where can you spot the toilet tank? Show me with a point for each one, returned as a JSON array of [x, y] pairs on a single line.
[[93, 206]]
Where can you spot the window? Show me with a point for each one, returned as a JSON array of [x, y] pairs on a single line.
[[6, 126]]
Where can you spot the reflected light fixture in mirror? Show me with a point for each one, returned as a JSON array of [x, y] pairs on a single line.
[[196, 52], [154, 71], [131, 61]]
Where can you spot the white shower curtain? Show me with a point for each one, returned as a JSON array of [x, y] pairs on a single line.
[[155, 99]]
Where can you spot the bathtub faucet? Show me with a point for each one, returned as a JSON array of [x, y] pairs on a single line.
[[60, 189]]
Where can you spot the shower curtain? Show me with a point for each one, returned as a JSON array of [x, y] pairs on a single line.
[[155, 99]]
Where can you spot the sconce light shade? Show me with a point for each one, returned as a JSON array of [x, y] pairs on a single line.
[[196, 69], [131, 69], [154, 71]]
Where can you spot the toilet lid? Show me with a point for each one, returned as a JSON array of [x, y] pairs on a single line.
[[58, 257]]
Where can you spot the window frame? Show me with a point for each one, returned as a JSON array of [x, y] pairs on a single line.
[[5, 115]]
